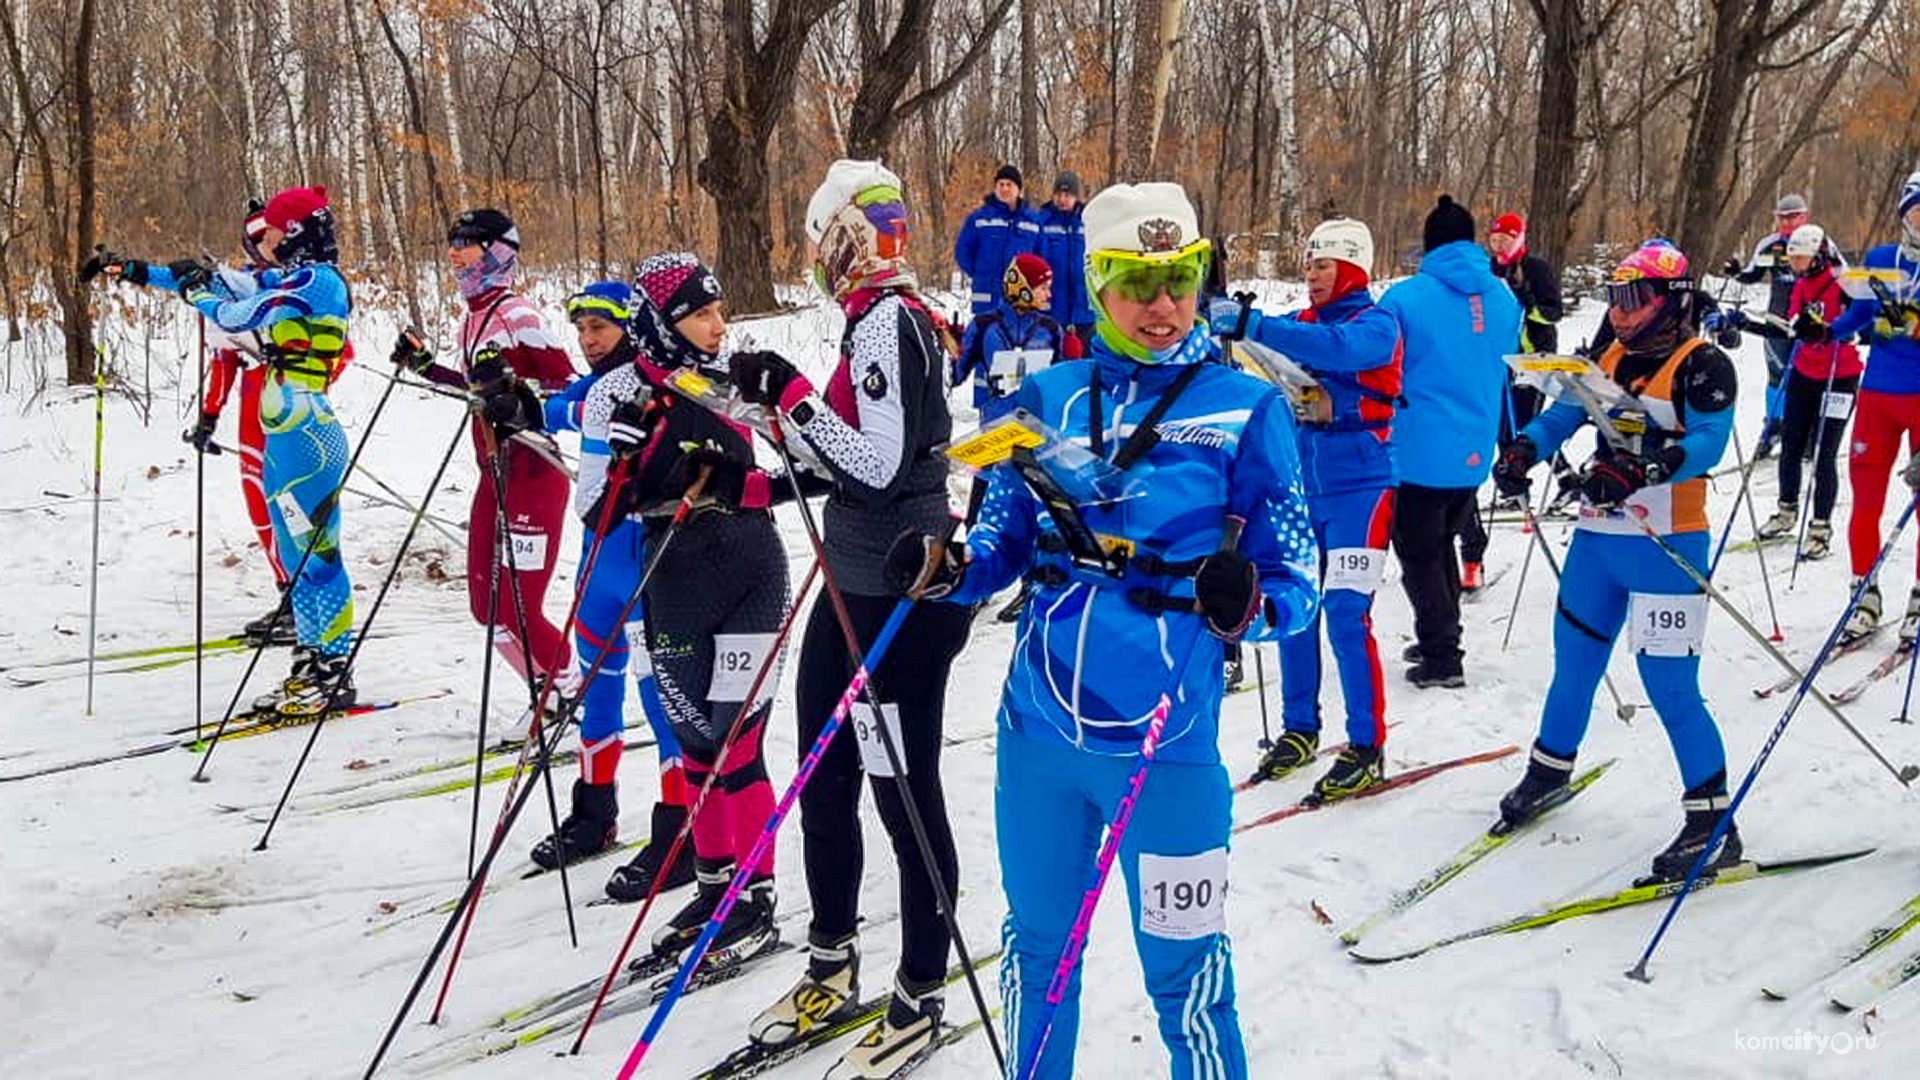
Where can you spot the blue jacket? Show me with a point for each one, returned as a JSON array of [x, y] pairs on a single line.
[[1893, 364], [1458, 323], [1352, 346], [1002, 329], [1089, 663], [1063, 243], [989, 239]]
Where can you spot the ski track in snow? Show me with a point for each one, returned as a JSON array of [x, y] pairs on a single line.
[[144, 936]]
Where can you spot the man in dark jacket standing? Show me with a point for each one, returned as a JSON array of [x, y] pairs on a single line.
[[1458, 322], [1769, 260], [1000, 228], [1063, 243]]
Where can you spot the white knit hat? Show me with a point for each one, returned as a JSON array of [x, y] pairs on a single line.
[[846, 179], [1151, 217], [1345, 239], [1807, 240]]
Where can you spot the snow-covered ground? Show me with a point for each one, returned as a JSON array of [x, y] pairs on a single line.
[[141, 934]]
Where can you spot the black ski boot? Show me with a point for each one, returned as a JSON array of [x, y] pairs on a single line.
[[591, 827], [1412, 654], [317, 684], [1541, 789], [632, 882], [273, 628], [1704, 804], [1428, 674], [1234, 673], [748, 927], [1011, 613], [1292, 750], [1356, 769]]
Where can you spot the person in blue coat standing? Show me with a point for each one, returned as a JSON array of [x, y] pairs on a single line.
[[1351, 346], [1459, 321], [1063, 243], [997, 230], [1139, 623]]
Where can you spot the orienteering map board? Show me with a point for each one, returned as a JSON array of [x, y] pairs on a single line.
[[1858, 282], [1557, 376]]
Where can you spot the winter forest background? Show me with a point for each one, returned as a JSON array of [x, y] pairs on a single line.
[[613, 128]]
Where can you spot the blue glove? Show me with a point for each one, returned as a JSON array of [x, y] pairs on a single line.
[[1725, 319], [1224, 318]]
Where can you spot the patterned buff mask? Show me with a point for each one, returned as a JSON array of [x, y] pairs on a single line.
[[864, 245], [497, 268]]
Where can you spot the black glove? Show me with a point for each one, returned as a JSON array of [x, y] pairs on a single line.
[[1911, 474], [762, 377], [923, 566], [1510, 472], [1808, 327], [1730, 268], [1611, 479], [102, 258], [410, 352], [630, 426], [190, 274], [200, 435], [1227, 585], [726, 476], [512, 409]]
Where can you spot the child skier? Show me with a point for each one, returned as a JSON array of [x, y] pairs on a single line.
[[1104, 637], [1352, 347], [1615, 571], [1014, 340]]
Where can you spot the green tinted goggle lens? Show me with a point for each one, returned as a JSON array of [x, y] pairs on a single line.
[[1141, 285]]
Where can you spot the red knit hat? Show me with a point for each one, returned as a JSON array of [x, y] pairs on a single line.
[[1509, 223], [294, 204], [1025, 273]]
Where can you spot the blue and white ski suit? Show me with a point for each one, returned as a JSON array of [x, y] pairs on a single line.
[[1093, 656], [1002, 330]]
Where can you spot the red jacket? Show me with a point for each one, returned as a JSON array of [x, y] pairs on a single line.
[[1821, 295]]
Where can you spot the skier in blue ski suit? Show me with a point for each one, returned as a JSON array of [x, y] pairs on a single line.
[[1352, 348], [998, 229], [1615, 576], [1021, 324], [1097, 647]]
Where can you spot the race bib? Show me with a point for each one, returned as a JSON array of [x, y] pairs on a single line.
[[1019, 362], [529, 551], [866, 730], [1183, 897], [737, 659], [1666, 625], [1355, 568], [1837, 405], [290, 512]]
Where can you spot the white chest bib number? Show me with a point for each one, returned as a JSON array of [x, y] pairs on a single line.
[[1007, 367], [529, 551], [1355, 568], [1183, 897], [1662, 625], [866, 729], [290, 512], [737, 659], [1837, 405]]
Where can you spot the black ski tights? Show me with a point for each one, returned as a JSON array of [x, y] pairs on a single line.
[[1801, 422]]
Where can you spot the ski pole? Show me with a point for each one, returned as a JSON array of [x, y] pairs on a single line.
[[1529, 525], [1905, 775], [366, 625], [1260, 673], [686, 827], [1807, 499], [1102, 866], [1745, 496], [680, 515], [329, 507], [1624, 710], [764, 842], [486, 686], [93, 561], [199, 546], [915, 822], [1906, 703]]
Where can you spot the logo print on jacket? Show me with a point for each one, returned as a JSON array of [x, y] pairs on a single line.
[[875, 384]]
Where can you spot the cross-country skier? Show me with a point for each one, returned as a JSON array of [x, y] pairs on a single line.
[[599, 314], [1536, 285], [1769, 260], [1817, 394], [1614, 572], [874, 430], [298, 306], [503, 340], [1014, 339], [1887, 316], [1352, 348], [1104, 638]]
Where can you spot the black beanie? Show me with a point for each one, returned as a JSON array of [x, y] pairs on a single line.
[[1009, 172], [1448, 222], [483, 227]]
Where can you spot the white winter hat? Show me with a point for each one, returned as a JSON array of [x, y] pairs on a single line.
[[846, 179], [1808, 240], [1153, 217], [1345, 239]]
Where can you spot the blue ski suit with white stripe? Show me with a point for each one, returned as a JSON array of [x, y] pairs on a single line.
[[1090, 663]]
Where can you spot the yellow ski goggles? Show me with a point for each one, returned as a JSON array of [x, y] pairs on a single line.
[[1139, 276], [589, 304]]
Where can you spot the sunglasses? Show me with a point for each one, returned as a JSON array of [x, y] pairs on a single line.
[[1140, 277]]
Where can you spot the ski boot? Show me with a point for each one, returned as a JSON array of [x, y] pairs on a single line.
[[1542, 788], [1769, 435], [317, 684], [1704, 806], [1866, 614], [907, 1031], [634, 881], [1785, 516], [1011, 613], [1234, 674], [1428, 674], [1470, 577], [1910, 622], [1412, 654], [303, 659], [1356, 769], [1819, 540], [591, 827], [1292, 750], [748, 927], [273, 628], [828, 993]]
